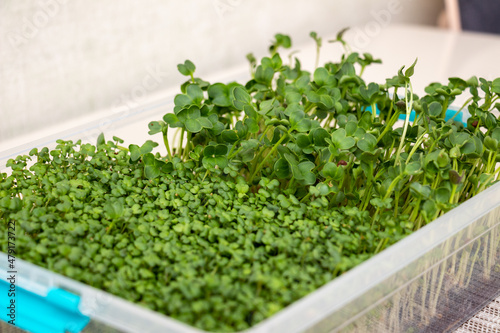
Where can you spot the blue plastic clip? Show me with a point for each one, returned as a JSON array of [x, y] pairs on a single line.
[[448, 116], [55, 313]]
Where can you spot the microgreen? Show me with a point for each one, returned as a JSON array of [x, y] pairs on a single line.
[[274, 187]]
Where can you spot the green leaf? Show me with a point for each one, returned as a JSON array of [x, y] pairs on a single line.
[[182, 100], [187, 68], [443, 195], [209, 151], [172, 120], [368, 143], [212, 162], [241, 129], [148, 146], [149, 159], [302, 82], [281, 40], [455, 152], [250, 144], [190, 66], [282, 168], [319, 136], [369, 93], [435, 109], [241, 98], [350, 128], [229, 136], [293, 97], [326, 102], [409, 72], [220, 150], [304, 125], [382, 203], [276, 62], [323, 189], [264, 75], [295, 117], [473, 148], [420, 191], [305, 176], [117, 139], [113, 209], [165, 167], [349, 79], [101, 140], [135, 152], [443, 159], [332, 171], [250, 111], [151, 171], [220, 94], [413, 168], [455, 178], [195, 93], [458, 139], [495, 134], [495, 86], [193, 125], [182, 69], [302, 140], [429, 210], [340, 34], [205, 122], [192, 112], [321, 76], [366, 121], [252, 125], [193, 96]]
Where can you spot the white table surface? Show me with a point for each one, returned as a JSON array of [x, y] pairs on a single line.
[[441, 54]]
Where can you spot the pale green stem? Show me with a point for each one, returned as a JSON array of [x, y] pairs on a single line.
[[409, 105]]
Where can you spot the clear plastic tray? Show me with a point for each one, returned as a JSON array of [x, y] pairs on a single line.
[[428, 282]]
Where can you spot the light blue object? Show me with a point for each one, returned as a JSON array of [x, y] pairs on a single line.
[[55, 313], [448, 116]]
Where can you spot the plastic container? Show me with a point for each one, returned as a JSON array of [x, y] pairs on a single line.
[[430, 281]]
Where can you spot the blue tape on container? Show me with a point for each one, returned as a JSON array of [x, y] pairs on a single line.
[[55, 313], [449, 114]]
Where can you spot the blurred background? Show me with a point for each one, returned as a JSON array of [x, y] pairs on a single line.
[[68, 59]]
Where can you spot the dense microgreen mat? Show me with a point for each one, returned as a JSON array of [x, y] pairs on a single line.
[[272, 189]]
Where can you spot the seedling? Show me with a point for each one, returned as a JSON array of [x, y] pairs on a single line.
[[275, 186]]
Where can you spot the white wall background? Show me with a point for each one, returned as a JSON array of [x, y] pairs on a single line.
[[61, 59]]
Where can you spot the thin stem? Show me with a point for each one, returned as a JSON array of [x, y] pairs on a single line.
[[362, 70], [416, 145], [305, 197], [460, 110], [391, 187], [261, 165], [179, 149], [165, 141], [388, 126], [445, 107], [407, 120], [318, 48]]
